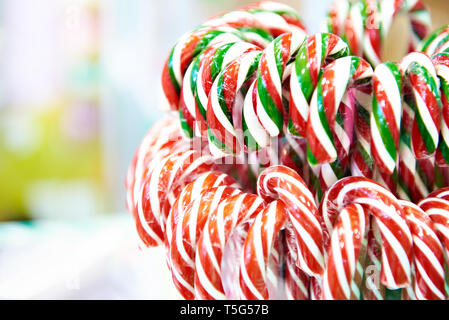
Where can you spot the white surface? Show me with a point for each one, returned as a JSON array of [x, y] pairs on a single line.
[[84, 259]]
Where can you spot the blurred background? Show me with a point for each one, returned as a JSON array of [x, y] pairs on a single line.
[[79, 86]]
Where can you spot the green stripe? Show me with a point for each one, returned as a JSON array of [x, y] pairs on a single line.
[[366, 156], [303, 73], [277, 48], [428, 141], [172, 74], [188, 131], [381, 123], [260, 32], [292, 129], [221, 99], [427, 41], [217, 62], [420, 172], [205, 40], [322, 113], [393, 294], [248, 139], [444, 149], [362, 113], [405, 189], [439, 179], [219, 144], [311, 158], [268, 103]]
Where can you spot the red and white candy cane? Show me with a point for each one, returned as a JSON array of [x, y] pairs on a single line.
[[280, 182], [296, 281], [389, 216], [436, 205], [263, 233], [344, 251], [190, 193], [257, 250], [230, 215], [365, 24], [153, 146], [186, 233], [428, 256], [174, 170]]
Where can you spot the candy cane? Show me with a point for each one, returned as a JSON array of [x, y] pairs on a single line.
[[228, 217], [284, 183], [257, 249], [219, 29], [372, 288], [337, 77], [222, 134], [361, 158], [365, 24], [343, 253], [317, 51], [263, 110], [209, 65], [420, 123], [428, 257], [153, 145], [441, 62], [387, 211], [436, 205], [190, 193], [296, 281], [386, 116], [186, 233], [436, 42], [174, 170], [422, 78], [275, 17]]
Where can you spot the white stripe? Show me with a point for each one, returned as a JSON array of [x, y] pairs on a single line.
[[380, 146], [253, 124], [428, 281], [205, 282], [187, 93], [318, 128]]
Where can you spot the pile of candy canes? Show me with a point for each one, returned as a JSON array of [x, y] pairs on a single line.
[[298, 166]]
